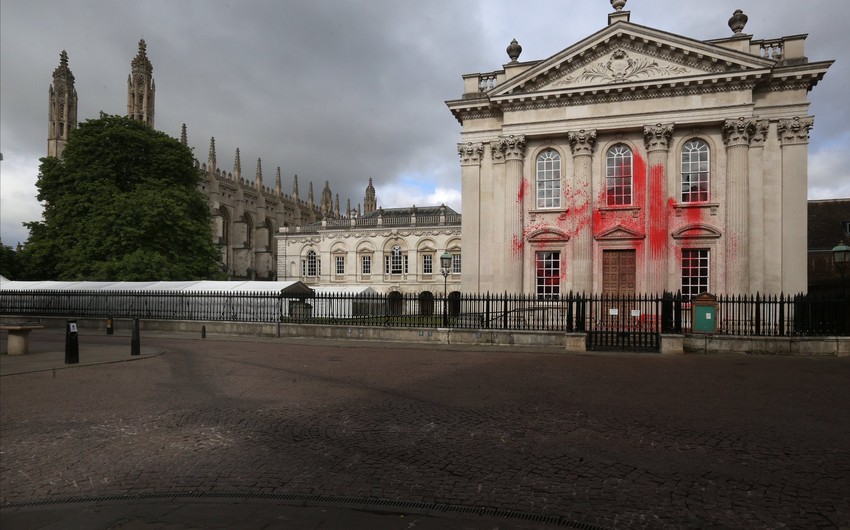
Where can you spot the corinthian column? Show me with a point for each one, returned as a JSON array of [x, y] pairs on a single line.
[[516, 187], [582, 144], [470, 166], [794, 137], [657, 141], [736, 136], [757, 206]]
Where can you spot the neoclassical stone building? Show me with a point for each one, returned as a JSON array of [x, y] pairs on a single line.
[[637, 160], [246, 212], [393, 249]]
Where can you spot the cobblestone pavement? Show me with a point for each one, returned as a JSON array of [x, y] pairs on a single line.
[[615, 441]]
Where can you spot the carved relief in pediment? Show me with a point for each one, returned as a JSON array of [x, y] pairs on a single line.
[[621, 67]]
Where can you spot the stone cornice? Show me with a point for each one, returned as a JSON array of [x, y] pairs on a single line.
[[622, 93], [794, 131]]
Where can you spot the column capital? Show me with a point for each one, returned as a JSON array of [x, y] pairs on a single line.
[[470, 153], [657, 137], [759, 134], [794, 131], [513, 146], [737, 132], [582, 142]]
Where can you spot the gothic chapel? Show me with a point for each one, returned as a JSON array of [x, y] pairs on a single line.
[[639, 161], [246, 214]]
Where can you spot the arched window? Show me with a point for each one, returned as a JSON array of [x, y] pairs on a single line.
[[695, 170], [618, 176], [549, 179], [396, 261], [312, 269]]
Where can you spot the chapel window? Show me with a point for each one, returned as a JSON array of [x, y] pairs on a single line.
[[618, 176], [695, 171], [549, 179]]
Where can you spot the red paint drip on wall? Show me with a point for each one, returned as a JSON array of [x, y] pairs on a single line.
[[523, 190], [657, 213]]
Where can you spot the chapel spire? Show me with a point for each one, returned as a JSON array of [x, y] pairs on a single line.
[[370, 202], [141, 90], [62, 107]]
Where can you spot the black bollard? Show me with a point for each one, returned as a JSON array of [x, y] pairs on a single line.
[[135, 347], [72, 343], [109, 329], [203, 332]]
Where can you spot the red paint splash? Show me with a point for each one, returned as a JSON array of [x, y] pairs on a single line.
[[524, 187], [657, 213], [517, 244]]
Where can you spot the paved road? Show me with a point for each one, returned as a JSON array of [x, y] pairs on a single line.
[[610, 441]]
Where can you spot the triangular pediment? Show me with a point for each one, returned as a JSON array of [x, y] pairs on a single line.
[[618, 233], [696, 231], [630, 56]]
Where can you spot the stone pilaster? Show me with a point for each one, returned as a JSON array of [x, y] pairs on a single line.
[[582, 144], [513, 148], [794, 140], [757, 205], [657, 141], [736, 136], [470, 166]]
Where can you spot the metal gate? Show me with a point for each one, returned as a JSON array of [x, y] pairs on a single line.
[[624, 323]]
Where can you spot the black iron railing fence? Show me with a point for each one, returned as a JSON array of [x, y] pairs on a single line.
[[757, 315]]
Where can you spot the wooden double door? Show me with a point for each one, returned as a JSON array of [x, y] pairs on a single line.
[[618, 272]]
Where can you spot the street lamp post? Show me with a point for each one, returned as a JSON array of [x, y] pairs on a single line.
[[445, 268]]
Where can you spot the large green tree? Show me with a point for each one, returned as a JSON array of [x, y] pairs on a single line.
[[121, 204]]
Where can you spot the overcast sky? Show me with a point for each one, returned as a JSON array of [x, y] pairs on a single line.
[[345, 90]]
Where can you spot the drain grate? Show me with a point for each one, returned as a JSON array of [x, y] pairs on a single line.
[[308, 499]]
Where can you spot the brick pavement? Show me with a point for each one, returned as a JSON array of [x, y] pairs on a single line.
[[617, 441]]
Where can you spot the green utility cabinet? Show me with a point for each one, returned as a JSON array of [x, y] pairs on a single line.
[[704, 313]]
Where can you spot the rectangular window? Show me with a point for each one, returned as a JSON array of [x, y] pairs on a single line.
[[455, 263], [695, 272], [427, 264], [340, 265], [548, 279], [396, 263], [366, 264]]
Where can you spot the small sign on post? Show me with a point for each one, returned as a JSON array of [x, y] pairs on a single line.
[[72, 343]]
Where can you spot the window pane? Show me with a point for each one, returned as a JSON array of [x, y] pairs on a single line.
[[695, 171], [548, 275], [549, 179], [695, 272], [618, 179]]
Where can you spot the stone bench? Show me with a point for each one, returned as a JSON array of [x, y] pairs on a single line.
[[19, 340]]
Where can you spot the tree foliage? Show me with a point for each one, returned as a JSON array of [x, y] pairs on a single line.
[[121, 204]]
